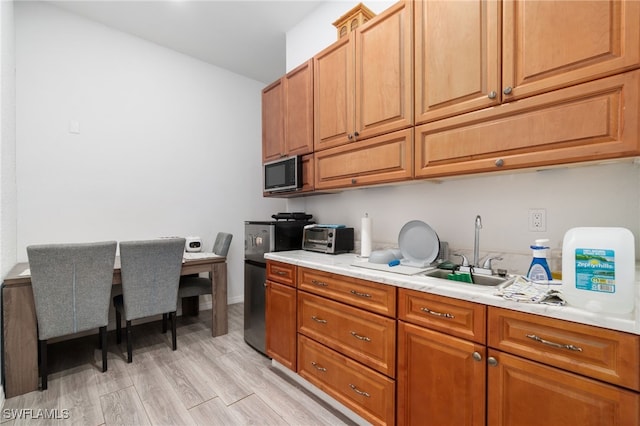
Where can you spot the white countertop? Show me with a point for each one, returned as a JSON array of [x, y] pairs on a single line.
[[341, 264]]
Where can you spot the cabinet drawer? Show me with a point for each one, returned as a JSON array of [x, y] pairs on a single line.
[[452, 316], [603, 354], [284, 273], [363, 336], [366, 392], [375, 297]]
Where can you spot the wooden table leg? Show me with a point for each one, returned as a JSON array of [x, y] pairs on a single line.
[[219, 321], [20, 341]]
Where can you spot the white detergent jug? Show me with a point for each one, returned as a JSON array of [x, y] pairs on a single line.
[[598, 269]]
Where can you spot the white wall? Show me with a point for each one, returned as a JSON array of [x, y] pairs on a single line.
[[597, 195], [8, 224], [168, 145], [7, 139], [316, 31]]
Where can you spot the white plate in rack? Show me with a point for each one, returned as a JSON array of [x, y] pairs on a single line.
[[418, 243]]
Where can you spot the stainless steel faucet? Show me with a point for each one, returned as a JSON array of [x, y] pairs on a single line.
[[476, 242]]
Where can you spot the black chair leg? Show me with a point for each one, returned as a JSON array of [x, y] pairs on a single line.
[[164, 323], [129, 346], [173, 330], [103, 346], [43, 363], [118, 327]]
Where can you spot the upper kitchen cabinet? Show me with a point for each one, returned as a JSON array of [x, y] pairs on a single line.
[[587, 122], [457, 57], [548, 45], [287, 114], [363, 83], [272, 121], [538, 46]]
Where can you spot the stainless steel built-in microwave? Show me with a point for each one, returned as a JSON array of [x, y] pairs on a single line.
[[283, 174]]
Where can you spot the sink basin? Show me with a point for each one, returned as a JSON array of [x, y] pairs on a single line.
[[484, 280]]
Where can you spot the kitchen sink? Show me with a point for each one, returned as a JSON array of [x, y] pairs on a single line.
[[484, 280]]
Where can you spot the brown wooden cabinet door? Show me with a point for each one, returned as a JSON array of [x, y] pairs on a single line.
[[381, 159], [363, 83], [333, 94], [298, 117], [457, 57], [553, 44], [383, 72], [587, 122], [273, 121], [525, 393], [439, 381], [280, 317]]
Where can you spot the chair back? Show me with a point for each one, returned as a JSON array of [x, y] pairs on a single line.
[[222, 243], [150, 276], [71, 286]]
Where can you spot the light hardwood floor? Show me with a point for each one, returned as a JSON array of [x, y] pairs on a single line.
[[207, 381]]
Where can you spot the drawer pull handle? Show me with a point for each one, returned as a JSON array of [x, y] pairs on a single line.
[[358, 391], [319, 283], [359, 337], [437, 314], [281, 273], [357, 293], [316, 319], [554, 344], [317, 367]]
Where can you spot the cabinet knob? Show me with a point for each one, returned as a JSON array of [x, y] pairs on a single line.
[[492, 94], [354, 181], [499, 162], [507, 90], [356, 134], [350, 136], [492, 361], [477, 356]]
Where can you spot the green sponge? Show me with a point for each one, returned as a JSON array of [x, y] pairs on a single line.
[[464, 277]]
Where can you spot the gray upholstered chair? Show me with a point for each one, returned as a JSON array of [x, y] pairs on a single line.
[[71, 288], [150, 276], [193, 285]]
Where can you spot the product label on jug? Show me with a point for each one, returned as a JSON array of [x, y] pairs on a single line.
[[596, 270]]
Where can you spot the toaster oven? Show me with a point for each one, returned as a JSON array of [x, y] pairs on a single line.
[[329, 239]]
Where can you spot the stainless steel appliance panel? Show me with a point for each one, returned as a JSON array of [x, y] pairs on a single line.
[[254, 304], [258, 240]]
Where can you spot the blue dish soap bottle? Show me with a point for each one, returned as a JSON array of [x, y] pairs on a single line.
[[539, 269]]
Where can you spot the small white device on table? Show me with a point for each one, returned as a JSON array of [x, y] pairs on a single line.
[[193, 244]]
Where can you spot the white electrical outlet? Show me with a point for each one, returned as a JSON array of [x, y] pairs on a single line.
[[537, 220]]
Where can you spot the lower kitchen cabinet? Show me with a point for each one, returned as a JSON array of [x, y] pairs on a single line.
[[545, 371], [526, 393], [366, 392], [280, 314], [398, 355], [441, 360], [441, 378], [364, 336]]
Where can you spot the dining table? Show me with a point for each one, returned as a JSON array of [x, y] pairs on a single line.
[[19, 323]]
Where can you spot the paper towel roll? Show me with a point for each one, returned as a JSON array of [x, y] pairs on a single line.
[[365, 236]]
